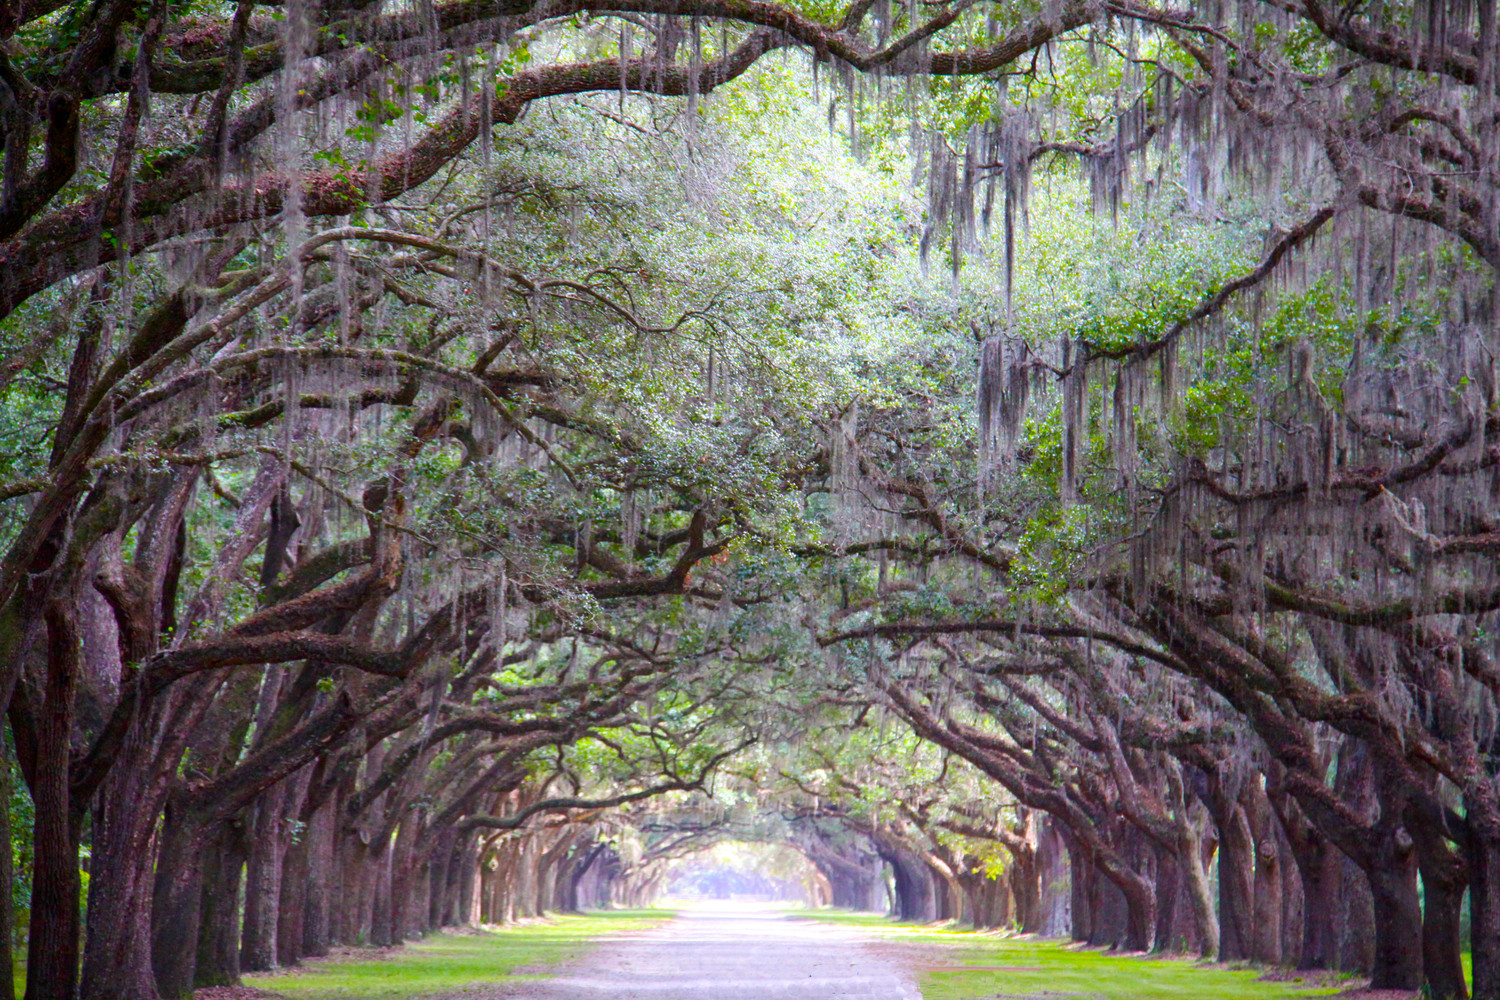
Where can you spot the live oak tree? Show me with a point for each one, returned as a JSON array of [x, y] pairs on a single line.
[[424, 408]]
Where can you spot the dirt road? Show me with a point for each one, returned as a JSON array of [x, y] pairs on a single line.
[[730, 953]]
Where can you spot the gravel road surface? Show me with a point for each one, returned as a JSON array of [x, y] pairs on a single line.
[[730, 953]]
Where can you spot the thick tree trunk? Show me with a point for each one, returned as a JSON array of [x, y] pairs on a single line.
[[1236, 879], [989, 900], [1111, 914], [1398, 922], [177, 903], [1054, 911], [321, 873], [402, 881], [1140, 914], [916, 896], [1265, 945], [1025, 884], [1291, 899], [1322, 868], [1445, 877], [7, 879], [219, 915], [382, 922], [1314, 868], [854, 877], [1354, 921], [53, 946], [412, 912], [1319, 865], [1198, 889], [132, 883], [359, 876], [1168, 888], [1442, 950], [459, 887], [1484, 900], [117, 956], [263, 870], [440, 856], [524, 891], [1083, 881], [292, 910]]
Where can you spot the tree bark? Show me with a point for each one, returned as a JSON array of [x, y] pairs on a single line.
[[1082, 885], [1236, 877], [1266, 942], [219, 914], [916, 897], [7, 878], [1484, 898], [117, 956], [53, 946], [1445, 878], [321, 879], [291, 911], [1054, 912], [1025, 884], [263, 884], [177, 903], [1398, 923]]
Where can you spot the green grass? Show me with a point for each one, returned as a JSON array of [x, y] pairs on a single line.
[[1016, 967], [446, 963]]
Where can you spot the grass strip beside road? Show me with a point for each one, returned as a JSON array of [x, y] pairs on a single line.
[[449, 963], [971, 966]]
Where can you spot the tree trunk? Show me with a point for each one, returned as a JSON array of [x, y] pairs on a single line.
[[117, 954], [1354, 921], [7, 878], [1398, 922], [53, 946], [1140, 914], [916, 898], [524, 889], [1318, 865], [1265, 944], [1111, 913], [442, 876], [458, 906], [358, 876], [402, 881], [1236, 879], [263, 870], [177, 903], [1291, 899], [292, 909], [317, 921], [1025, 883], [1484, 898], [1168, 888], [1054, 914], [219, 915], [1083, 886], [1200, 896], [1445, 877]]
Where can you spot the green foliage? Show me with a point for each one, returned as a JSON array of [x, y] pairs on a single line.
[[1029, 967], [1034, 967], [22, 818], [446, 963]]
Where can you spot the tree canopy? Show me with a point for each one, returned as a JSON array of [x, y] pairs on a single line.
[[1037, 463]]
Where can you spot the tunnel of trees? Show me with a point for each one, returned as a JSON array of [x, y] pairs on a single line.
[[1038, 460]]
